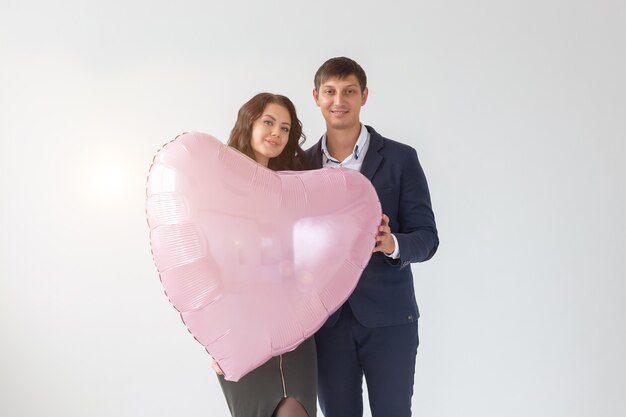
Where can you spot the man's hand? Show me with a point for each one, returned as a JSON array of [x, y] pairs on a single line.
[[384, 241]]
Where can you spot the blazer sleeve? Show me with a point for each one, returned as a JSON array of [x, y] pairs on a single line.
[[417, 234]]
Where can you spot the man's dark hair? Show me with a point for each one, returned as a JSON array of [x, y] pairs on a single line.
[[340, 67]]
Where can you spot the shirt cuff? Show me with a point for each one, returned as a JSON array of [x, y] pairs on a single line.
[[396, 253]]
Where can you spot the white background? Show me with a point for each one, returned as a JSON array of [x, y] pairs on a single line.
[[517, 110]]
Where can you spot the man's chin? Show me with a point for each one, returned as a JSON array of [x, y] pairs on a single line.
[[340, 125]]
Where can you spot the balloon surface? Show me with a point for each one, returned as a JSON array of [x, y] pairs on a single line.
[[255, 260]]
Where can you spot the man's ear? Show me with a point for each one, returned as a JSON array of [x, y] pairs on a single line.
[[364, 98], [316, 97]]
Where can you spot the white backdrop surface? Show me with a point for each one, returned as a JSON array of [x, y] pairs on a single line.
[[517, 110]]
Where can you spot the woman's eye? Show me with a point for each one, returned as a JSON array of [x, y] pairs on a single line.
[[268, 122], [286, 129]]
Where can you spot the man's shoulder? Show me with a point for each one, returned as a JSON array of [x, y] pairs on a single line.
[[386, 144], [311, 156], [313, 149]]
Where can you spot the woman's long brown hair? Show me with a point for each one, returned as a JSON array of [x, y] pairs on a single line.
[[291, 158]]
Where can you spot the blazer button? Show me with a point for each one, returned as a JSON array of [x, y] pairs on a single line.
[[410, 317]]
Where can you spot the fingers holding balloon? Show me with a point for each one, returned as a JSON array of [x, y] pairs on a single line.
[[384, 241], [216, 368]]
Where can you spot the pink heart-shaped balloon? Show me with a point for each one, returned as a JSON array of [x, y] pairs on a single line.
[[255, 260]]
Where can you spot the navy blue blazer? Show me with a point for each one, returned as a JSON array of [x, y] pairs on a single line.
[[385, 295]]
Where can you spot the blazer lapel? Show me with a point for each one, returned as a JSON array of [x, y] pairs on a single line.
[[373, 157]]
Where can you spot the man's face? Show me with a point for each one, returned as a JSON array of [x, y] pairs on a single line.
[[340, 101]]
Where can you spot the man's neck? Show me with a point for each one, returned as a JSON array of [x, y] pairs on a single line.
[[340, 142]]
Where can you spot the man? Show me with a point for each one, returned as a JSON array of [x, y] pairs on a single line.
[[374, 334]]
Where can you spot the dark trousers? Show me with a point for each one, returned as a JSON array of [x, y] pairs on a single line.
[[348, 351]]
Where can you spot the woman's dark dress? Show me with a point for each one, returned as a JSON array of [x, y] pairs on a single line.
[[258, 393]]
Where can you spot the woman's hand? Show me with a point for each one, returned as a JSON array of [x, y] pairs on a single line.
[[217, 368]]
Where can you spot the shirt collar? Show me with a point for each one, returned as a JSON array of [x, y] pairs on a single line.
[[359, 147]]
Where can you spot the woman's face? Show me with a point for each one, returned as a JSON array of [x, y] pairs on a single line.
[[270, 133]]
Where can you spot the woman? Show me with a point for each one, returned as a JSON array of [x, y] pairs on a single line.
[[268, 131]]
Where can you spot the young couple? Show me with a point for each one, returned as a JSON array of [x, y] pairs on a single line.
[[374, 334]]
